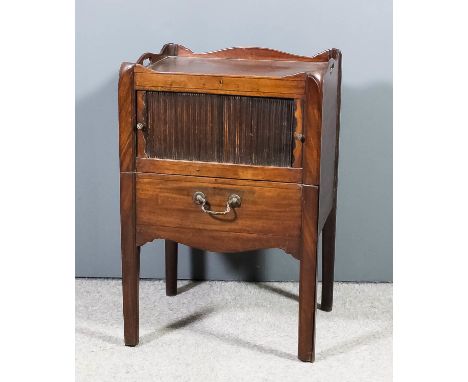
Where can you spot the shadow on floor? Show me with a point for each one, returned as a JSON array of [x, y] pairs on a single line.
[[179, 324], [184, 323], [279, 291], [351, 344], [188, 286], [187, 321], [109, 339], [150, 337], [247, 344]]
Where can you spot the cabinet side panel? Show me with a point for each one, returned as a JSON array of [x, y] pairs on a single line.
[[330, 137], [126, 118]]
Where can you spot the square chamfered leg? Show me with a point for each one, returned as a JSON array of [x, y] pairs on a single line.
[[308, 275], [328, 261], [130, 259], [171, 267]]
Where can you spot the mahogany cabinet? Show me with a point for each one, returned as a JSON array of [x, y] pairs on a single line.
[[230, 151]]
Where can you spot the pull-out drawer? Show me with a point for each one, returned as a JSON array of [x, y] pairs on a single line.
[[249, 207]]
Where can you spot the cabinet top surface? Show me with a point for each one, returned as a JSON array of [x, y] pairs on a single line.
[[235, 67]]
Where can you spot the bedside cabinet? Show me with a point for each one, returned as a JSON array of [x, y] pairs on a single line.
[[230, 151]]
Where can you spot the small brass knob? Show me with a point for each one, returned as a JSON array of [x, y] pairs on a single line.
[[199, 197], [234, 201], [140, 126], [299, 137]]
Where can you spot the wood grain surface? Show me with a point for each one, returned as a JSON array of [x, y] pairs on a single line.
[[220, 128], [267, 208], [219, 170]]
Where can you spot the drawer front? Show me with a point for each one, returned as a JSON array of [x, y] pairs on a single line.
[[266, 208]]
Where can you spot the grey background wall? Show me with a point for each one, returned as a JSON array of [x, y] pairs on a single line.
[[109, 32]]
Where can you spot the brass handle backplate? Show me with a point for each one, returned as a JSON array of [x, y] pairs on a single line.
[[234, 201]]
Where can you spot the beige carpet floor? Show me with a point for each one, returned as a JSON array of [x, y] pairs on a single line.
[[231, 331]]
